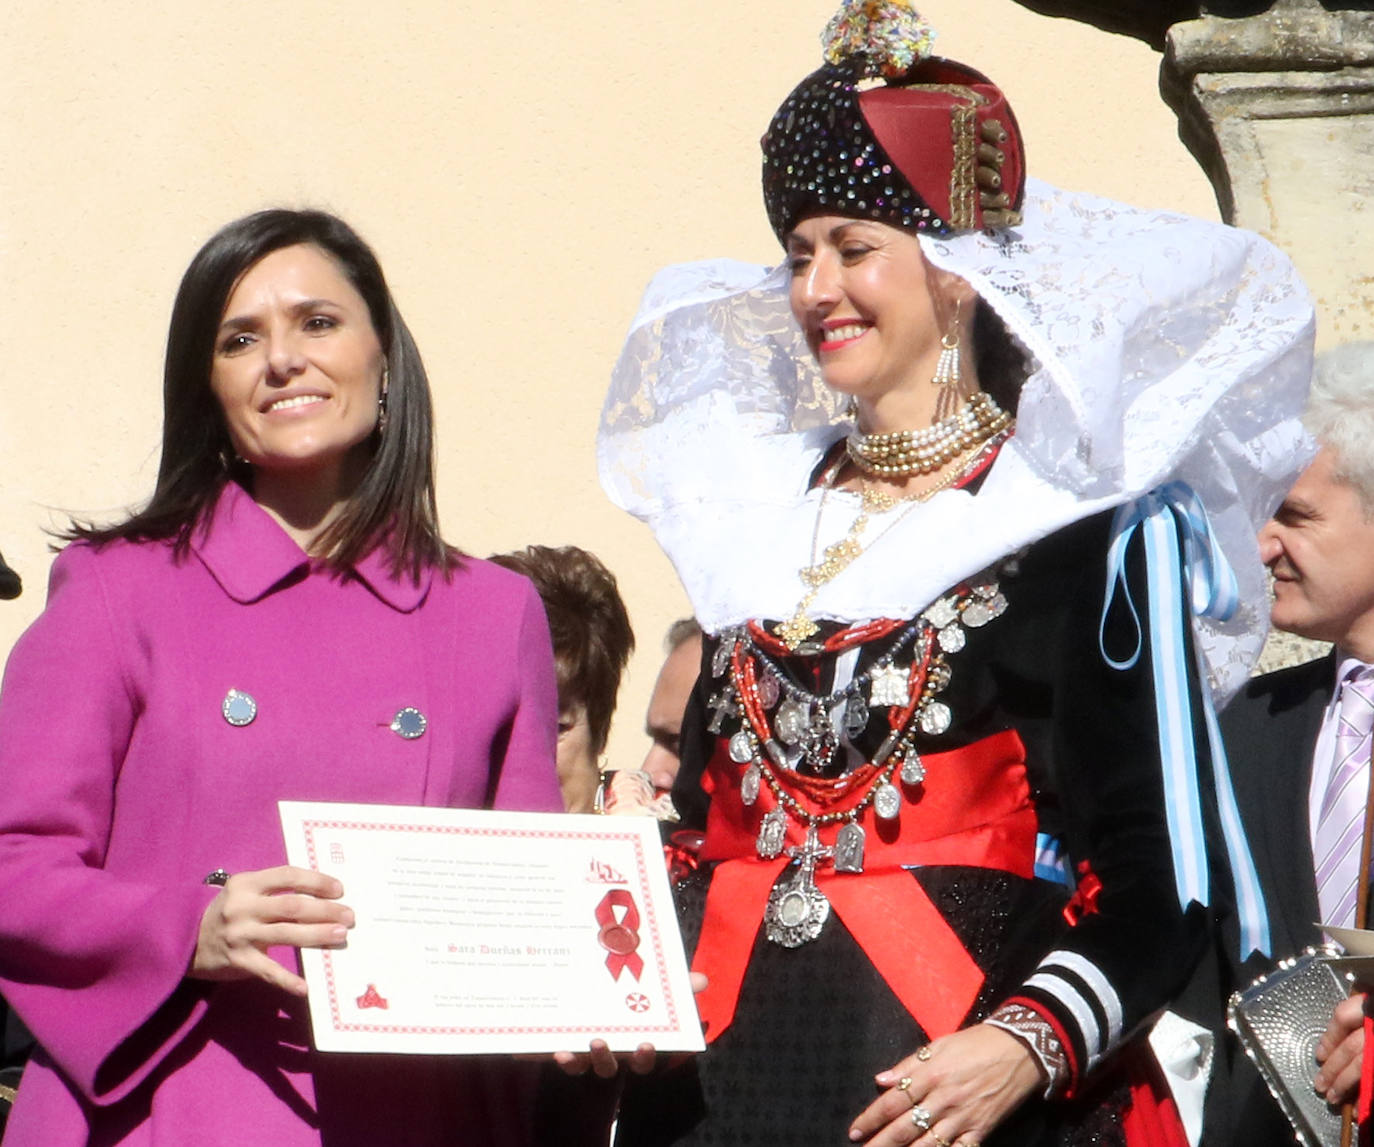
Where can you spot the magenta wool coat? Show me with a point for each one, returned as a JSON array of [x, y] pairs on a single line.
[[123, 783]]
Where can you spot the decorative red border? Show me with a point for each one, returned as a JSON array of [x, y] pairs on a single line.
[[671, 1022]]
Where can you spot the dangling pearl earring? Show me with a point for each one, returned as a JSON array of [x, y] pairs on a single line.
[[947, 373]]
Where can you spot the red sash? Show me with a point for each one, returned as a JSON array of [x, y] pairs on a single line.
[[974, 808]]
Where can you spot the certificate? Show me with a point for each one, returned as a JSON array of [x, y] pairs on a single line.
[[482, 931]]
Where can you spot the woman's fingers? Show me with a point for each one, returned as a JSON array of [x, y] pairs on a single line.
[[902, 1093], [255, 964], [599, 1059], [254, 911], [287, 878], [955, 1090]]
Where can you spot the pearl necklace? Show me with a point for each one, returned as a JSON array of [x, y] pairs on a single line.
[[906, 453]]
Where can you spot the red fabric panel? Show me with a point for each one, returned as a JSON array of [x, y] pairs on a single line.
[[973, 809]]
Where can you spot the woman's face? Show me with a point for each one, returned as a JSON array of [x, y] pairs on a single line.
[[578, 776], [864, 296], [297, 366]]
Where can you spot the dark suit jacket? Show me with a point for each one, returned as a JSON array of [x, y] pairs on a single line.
[[1270, 730]]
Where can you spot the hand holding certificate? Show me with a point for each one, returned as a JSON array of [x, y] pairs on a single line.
[[481, 931]]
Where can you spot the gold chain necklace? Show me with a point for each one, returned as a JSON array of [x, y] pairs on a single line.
[[838, 556]]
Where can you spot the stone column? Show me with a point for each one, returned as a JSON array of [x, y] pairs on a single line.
[[1279, 110]]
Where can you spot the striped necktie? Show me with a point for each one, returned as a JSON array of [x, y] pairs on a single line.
[[1340, 823]]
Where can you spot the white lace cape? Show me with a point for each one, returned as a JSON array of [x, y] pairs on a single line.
[[1166, 348]]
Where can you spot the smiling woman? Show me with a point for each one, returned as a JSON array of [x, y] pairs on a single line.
[[268, 627], [895, 477], [300, 374]]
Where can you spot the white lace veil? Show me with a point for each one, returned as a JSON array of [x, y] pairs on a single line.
[[1166, 348]]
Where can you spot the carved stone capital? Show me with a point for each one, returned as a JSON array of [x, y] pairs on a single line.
[[1279, 111]]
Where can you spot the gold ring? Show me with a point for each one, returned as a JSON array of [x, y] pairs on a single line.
[[940, 1141], [923, 1052], [904, 1083]]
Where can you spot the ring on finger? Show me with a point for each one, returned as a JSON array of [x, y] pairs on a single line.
[[922, 1118], [923, 1052], [940, 1140], [904, 1083]]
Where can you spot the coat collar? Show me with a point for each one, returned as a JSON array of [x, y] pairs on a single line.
[[250, 555]]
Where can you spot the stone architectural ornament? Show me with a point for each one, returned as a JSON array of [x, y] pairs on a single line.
[[1278, 108], [1150, 20]]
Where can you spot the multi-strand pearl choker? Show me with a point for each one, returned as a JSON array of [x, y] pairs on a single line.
[[905, 453]]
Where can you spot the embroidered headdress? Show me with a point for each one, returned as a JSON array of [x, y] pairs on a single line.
[[884, 131]]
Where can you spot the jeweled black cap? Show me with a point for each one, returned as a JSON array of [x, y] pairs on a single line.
[[821, 157], [886, 131]]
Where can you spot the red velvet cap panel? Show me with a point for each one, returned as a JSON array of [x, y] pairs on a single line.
[[932, 129]]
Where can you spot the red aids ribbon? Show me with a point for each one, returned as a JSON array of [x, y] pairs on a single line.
[[620, 937], [372, 999]]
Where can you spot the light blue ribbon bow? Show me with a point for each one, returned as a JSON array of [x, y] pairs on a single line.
[[1162, 516]]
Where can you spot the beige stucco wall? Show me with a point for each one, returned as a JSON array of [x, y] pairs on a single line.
[[522, 169]]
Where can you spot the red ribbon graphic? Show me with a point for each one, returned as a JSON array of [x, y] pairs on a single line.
[[620, 937]]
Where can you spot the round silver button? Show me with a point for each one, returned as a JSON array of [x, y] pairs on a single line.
[[409, 723], [239, 708]]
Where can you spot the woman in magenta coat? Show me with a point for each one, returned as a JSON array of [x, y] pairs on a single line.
[[282, 621]]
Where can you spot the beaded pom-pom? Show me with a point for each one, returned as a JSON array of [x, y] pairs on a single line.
[[885, 37]]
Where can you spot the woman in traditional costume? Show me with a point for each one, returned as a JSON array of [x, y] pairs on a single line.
[[951, 743]]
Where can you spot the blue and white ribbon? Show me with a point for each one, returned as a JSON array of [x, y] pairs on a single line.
[[1162, 516]]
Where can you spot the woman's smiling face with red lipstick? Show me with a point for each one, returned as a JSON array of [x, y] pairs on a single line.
[[297, 365], [863, 294]]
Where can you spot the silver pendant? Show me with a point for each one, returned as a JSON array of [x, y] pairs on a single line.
[[724, 705], [769, 689], [791, 723], [987, 604], [797, 911], [772, 832], [849, 848], [935, 718], [819, 739], [889, 686], [720, 659], [887, 801], [855, 715], [952, 638], [742, 747], [976, 615], [913, 770], [942, 612], [887, 748], [749, 784]]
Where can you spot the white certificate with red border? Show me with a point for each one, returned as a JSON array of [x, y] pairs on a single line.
[[481, 931]]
